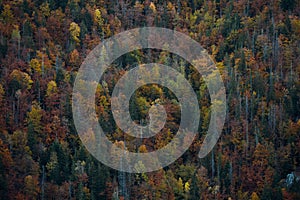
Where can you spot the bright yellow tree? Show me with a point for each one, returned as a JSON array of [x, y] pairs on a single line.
[[75, 32]]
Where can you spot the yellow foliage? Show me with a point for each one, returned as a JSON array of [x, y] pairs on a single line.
[[86, 190], [7, 14], [120, 144], [138, 6], [16, 33], [107, 30], [170, 6], [143, 149], [35, 65], [143, 105], [22, 78], [180, 184], [31, 186], [152, 7], [75, 31], [140, 167], [254, 196], [51, 88], [296, 26], [44, 60], [98, 17], [53, 162], [214, 50], [220, 66], [187, 187], [44, 8], [35, 116]]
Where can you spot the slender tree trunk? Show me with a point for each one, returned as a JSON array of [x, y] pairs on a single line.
[[43, 182], [247, 110]]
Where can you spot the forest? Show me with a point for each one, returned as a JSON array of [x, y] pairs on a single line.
[[256, 47]]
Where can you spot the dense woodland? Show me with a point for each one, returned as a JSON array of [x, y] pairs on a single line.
[[256, 46]]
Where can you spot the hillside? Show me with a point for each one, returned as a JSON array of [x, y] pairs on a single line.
[[254, 44]]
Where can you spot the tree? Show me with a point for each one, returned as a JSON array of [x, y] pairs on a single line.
[[6, 177], [99, 21], [35, 117], [52, 98], [194, 188], [3, 109], [254, 196], [7, 14], [74, 32], [19, 80], [35, 65], [16, 37], [58, 164], [288, 5], [24, 166], [31, 187]]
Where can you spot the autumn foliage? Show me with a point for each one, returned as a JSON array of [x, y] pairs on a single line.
[[255, 45]]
